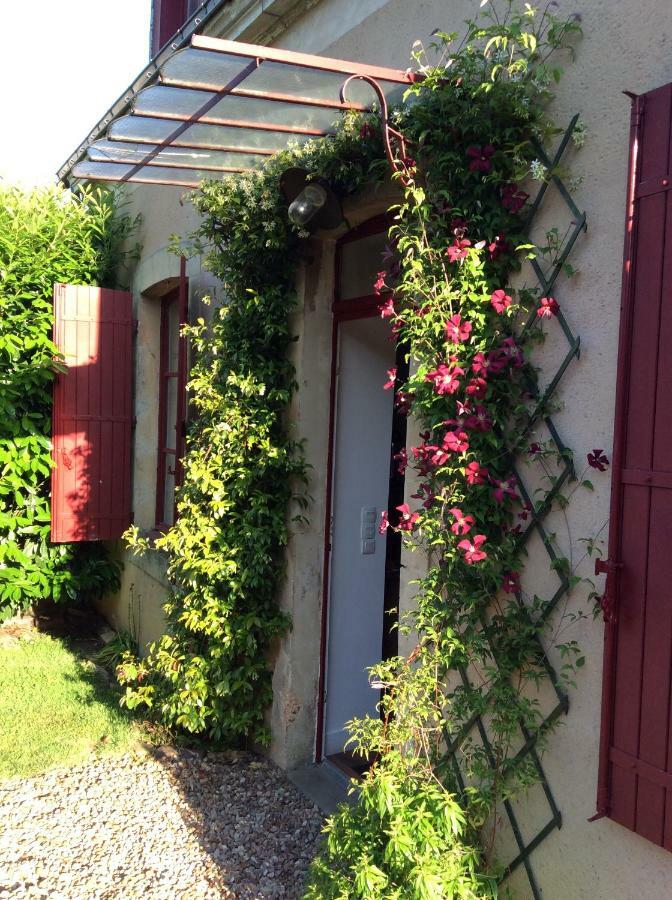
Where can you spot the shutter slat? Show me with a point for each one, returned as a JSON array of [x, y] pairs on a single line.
[[92, 414]]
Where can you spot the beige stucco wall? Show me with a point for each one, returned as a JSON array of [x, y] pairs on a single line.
[[627, 46]]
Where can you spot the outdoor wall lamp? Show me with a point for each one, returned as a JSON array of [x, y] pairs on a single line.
[[312, 202]]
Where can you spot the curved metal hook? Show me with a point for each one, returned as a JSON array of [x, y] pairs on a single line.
[[398, 165]]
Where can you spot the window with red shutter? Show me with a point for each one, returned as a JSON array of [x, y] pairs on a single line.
[[635, 785], [92, 414], [172, 402]]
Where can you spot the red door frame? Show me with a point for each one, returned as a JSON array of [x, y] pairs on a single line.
[[612, 587], [364, 307]]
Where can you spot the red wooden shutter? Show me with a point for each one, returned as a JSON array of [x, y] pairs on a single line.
[[92, 415], [168, 16], [636, 750]]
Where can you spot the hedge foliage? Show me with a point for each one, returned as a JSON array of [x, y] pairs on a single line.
[[46, 236]]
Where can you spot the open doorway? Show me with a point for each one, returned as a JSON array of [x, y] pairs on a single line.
[[364, 566]]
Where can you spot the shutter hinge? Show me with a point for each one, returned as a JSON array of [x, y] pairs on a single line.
[[608, 600], [136, 326], [134, 422]]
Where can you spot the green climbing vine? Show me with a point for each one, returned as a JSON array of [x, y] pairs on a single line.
[[211, 673], [458, 241]]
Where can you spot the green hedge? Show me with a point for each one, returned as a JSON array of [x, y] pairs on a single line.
[[46, 236]]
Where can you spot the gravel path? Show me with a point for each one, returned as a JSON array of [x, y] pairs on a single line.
[[159, 827]]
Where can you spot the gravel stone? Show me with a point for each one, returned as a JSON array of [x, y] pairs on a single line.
[[164, 824]]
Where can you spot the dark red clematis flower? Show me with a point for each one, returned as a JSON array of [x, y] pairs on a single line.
[[408, 519], [479, 420], [523, 515], [384, 522], [426, 494], [480, 364], [462, 524], [499, 246], [403, 402], [445, 379], [504, 488], [367, 131], [459, 227], [456, 330], [392, 378], [548, 307], [386, 309], [402, 460], [511, 583], [458, 250], [475, 473], [477, 387], [480, 158], [472, 549], [500, 301], [534, 448], [597, 460], [513, 199], [455, 441], [507, 354]]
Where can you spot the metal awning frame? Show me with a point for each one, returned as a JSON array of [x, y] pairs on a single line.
[[120, 157]]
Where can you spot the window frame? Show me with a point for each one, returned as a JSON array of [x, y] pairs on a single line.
[[177, 296]]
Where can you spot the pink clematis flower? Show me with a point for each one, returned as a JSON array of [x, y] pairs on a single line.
[[379, 283], [548, 307], [408, 519], [456, 330], [597, 460], [472, 549], [475, 473], [445, 379], [480, 158], [455, 442], [462, 524], [392, 378], [458, 250], [386, 309], [500, 301]]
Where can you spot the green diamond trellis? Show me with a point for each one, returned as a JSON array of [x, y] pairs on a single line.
[[529, 740]]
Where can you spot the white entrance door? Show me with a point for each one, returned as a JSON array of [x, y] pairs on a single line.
[[360, 493]]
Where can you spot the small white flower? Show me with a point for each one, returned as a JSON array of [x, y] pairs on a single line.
[[538, 170], [579, 135]]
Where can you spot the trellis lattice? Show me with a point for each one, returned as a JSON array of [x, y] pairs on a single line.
[[529, 740]]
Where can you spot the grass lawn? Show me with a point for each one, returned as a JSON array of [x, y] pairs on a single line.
[[55, 709]]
